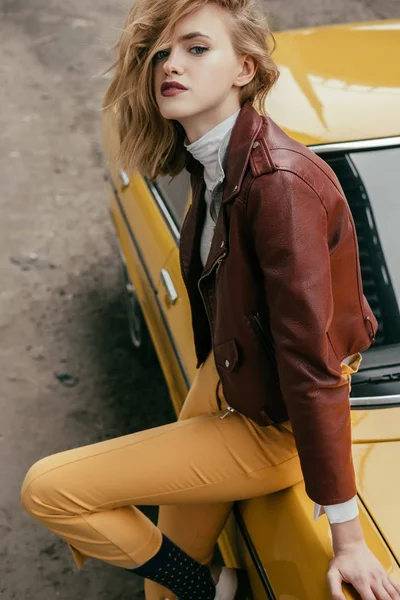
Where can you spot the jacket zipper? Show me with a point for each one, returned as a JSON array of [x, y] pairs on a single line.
[[265, 338], [217, 264], [219, 261], [229, 410]]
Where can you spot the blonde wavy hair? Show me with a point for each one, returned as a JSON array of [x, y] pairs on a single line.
[[148, 142]]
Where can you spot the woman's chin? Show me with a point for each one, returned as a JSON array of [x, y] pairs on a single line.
[[173, 108]]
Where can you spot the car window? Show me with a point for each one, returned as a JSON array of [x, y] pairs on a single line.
[[371, 182], [175, 193]]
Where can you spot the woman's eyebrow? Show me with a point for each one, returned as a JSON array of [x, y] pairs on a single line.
[[192, 34]]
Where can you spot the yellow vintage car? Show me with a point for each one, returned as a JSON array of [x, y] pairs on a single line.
[[338, 93]]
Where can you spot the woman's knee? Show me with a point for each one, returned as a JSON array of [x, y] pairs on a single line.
[[37, 490]]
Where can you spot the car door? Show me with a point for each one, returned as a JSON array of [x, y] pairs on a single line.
[[146, 235], [176, 197], [137, 202], [148, 228]]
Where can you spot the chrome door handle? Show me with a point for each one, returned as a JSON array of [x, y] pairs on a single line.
[[169, 286], [124, 178]]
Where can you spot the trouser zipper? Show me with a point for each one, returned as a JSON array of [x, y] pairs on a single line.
[[228, 411]]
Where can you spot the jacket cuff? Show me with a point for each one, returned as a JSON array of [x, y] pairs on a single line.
[[338, 513]]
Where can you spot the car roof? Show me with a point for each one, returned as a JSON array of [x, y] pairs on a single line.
[[338, 83]]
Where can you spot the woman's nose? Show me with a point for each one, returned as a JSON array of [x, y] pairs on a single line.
[[171, 66]]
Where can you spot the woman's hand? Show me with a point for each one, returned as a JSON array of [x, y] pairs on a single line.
[[362, 569], [354, 563]]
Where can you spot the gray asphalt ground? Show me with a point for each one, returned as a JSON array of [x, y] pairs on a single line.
[[61, 307]]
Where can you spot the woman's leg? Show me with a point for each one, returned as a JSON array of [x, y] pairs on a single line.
[[87, 495], [194, 527]]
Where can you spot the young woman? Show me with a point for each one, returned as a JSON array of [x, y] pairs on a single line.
[[269, 257]]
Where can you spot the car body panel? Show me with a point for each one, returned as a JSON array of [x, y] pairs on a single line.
[[275, 536], [377, 468], [376, 425], [328, 72], [138, 273], [295, 550], [152, 238], [135, 200], [150, 302], [178, 317]]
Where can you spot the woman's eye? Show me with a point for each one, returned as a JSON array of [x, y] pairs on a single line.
[[198, 48], [157, 54]]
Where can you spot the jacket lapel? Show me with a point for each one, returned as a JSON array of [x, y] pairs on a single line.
[[244, 133], [245, 130], [189, 248]]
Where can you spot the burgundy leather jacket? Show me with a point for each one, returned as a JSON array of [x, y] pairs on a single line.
[[280, 299]]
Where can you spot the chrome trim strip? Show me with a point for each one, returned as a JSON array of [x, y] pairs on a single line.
[[378, 401], [372, 144], [253, 554], [137, 248], [164, 210]]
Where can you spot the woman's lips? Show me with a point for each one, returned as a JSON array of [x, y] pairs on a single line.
[[172, 91]]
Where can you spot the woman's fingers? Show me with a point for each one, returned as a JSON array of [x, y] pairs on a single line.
[[394, 584], [386, 589], [392, 588], [359, 567], [366, 592], [335, 584], [380, 592]]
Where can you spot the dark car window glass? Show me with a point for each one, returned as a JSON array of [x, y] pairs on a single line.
[[371, 182], [175, 193]]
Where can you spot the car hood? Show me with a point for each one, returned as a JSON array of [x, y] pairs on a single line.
[[332, 79], [377, 472]]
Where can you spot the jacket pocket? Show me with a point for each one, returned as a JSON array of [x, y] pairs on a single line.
[[226, 355], [263, 336]]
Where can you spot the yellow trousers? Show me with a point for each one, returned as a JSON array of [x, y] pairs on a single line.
[[194, 469]]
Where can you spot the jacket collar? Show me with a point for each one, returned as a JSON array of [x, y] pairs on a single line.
[[244, 132], [210, 149]]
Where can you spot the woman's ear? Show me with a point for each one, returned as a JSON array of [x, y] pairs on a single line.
[[247, 71]]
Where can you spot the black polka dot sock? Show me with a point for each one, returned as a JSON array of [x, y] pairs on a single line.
[[178, 572]]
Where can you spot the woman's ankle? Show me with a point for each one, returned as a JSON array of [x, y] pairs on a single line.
[[215, 572]]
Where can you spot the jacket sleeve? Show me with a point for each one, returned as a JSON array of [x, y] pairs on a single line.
[[289, 232]]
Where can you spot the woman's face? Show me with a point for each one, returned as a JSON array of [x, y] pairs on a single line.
[[207, 66]]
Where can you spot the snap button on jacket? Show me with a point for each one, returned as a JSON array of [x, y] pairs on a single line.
[[280, 298]]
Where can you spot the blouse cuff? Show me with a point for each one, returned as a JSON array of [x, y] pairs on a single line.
[[338, 513]]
